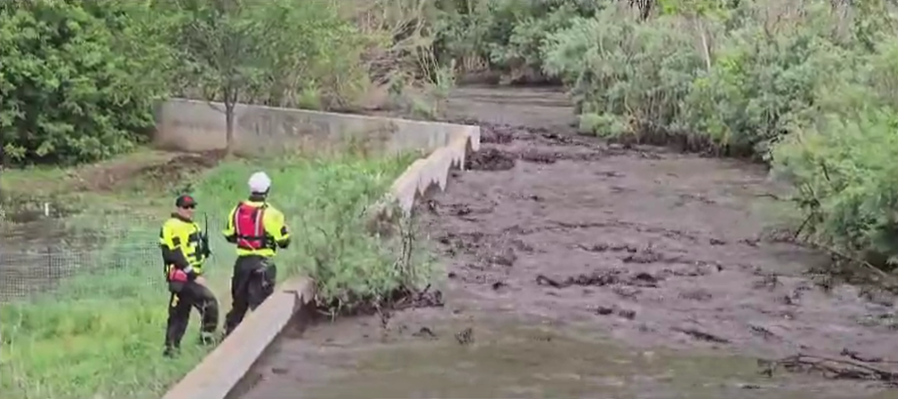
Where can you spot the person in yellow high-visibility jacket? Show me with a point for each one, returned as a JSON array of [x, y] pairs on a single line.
[[183, 255], [258, 230]]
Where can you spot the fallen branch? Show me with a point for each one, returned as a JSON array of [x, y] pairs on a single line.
[[864, 263], [865, 359], [599, 279], [594, 279], [801, 228], [843, 369], [888, 281], [701, 335]]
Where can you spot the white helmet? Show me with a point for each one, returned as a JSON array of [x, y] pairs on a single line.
[[259, 183]]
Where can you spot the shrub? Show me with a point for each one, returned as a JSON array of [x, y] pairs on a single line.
[[759, 82], [507, 34], [318, 56], [841, 161], [75, 84], [628, 75]]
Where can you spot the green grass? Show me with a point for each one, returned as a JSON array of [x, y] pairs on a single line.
[[100, 335]]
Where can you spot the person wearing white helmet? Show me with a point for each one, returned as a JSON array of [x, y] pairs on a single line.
[[258, 230]]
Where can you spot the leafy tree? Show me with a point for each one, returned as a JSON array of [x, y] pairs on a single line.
[[76, 83], [316, 56], [224, 48], [228, 47], [506, 34], [269, 51]]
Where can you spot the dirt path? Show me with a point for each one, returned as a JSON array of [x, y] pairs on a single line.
[[576, 267]]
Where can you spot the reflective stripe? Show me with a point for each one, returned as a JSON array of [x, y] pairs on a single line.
[[236, 221], [188, 269]]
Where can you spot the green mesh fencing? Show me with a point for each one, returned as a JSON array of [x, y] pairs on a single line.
[[102, 256]]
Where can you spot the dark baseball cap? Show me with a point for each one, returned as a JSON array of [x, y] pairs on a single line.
[[185, 201]]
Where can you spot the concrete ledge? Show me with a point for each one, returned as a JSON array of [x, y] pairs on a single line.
[[223, 369], [430, 172], [190, 125]]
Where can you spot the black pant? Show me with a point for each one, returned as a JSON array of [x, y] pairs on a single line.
[[185, 296], [251, 284]]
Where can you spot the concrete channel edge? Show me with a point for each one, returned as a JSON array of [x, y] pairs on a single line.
[[223, 369]]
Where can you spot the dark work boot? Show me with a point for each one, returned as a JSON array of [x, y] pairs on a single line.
[[171, 352]]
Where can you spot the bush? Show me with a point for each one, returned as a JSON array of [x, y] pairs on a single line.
[[841, 161], [75, 84], [845, 171], [759, 83], [625, 74], [319, 61], [507, 34]]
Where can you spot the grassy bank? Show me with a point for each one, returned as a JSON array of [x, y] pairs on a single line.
[[101, 334]]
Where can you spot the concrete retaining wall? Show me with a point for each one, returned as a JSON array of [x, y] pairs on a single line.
[[189, 125], [222, 370]]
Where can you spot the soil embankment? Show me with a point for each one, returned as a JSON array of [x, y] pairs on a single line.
[[577, 268]]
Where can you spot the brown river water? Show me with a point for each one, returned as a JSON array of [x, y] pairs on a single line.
[[578, 269]]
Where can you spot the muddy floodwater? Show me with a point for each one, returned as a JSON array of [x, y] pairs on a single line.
[[578, 269]]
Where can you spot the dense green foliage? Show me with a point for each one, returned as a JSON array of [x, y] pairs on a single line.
[[808, 87], [504, 35], [76, 82], [79, 78]]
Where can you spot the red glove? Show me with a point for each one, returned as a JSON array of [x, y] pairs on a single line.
[[177, 276]]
